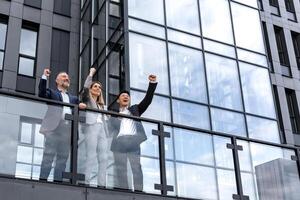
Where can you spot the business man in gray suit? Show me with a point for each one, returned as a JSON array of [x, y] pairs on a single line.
[[55, 128]]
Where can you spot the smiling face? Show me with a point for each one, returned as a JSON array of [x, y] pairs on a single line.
[[124, 100], [62, 80], [96, 89]]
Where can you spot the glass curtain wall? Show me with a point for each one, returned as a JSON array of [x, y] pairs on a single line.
[[210, 60]]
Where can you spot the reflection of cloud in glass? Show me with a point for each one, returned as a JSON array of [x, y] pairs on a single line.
[[257, 91], [247, 28], [223, 155], [224, 89], [3, 28], [159, 108], [190, 114], [151, 169], [252, 57], [184, 38], [252, 3], [249, 185], [150, 146], [185, 143], [219, 48], [148, 56], [151, 10], [183, 15], [146, 28], [216, 21], [263, 129], [196, 181], [187, 72], [226, 184]]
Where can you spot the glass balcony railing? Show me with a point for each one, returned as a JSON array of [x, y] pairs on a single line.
[[49, 141]]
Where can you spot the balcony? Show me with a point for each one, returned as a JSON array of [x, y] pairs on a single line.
[[92, 162]]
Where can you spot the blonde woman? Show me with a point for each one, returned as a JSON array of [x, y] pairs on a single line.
[[96, 132]]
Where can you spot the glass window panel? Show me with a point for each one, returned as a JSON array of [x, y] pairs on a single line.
[[28, 42], [185, 143], [263, 129], [26, 66], [226, 184], [252, 57], [245, 156], [187, 72], [38, 137], [150, 146], [23, 170], [146, 28], [228, 122], [219, 48], [1, 60], [249, 185], [170, 173], [184, 38], [38, 156], [247, 28], [223, 155], [24, 154], [190, 114], [159, 108], [223, 82], [148, 56], [26, 132], [3, 28], [36, 172], [151, 10], [151, 174], [258, 97], [252, 3], [216, 22], [196, 181], [178, 17], [169, 143]]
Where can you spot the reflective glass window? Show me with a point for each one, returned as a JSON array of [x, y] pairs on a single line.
[[148, 56], [247, 28], [228, 122], [187, 72], [219, 48], [216, 22], [3, 28], [223, 82], [183, 15], [252, 57], [257, 92], [26, 66], [28, 42], [159, 108], [1, 60], [263, 129], [184, 38], [190, 114], [146, 28], [151, 10], [252, 3]]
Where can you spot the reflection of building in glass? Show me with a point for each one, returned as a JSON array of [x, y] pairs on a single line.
[[228, 89], [272, 179]]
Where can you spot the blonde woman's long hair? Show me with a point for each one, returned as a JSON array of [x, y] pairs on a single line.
[[100, 100]]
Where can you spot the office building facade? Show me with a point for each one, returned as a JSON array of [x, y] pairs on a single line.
[[223, 114]]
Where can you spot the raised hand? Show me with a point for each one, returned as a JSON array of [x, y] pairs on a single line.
[[92, 71], [152, 78], [47, 72]]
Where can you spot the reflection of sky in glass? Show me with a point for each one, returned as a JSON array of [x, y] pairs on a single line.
[[38, 138], [252, 3], [170, 173], [159, 108], [187, 72], [244, 156], [223, 82], [23, 171], [146, 28], [248, 185], [223, 155], [24, 154], [169, 143], [228, 122], [263, 129], [1, 60], [185, 143], [257, 91], [196, 181], [38, 156], [150, 146], [247, 28], [3, 28], [26, 66], [28, 42], [151, 10], [183, 15], [252, 57], [151, 175], [190, 114], [184, 38], [148, 56], [219, 48], [226, 184], [216, 21]]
